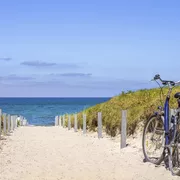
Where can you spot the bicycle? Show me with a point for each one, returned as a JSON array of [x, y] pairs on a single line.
[[161, 135]]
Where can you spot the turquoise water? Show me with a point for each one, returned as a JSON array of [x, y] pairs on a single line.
[[42, 111]]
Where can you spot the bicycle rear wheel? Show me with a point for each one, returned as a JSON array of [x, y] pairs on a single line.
[[174, 159], [153, 140]]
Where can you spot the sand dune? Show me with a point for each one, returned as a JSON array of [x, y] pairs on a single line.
[[54, 153]]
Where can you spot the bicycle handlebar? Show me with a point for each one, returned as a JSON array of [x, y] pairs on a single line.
[[166, 82]]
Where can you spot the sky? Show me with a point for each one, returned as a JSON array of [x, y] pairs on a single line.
[[93, 48]]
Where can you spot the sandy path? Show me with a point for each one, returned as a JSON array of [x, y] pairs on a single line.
[[53, 153]]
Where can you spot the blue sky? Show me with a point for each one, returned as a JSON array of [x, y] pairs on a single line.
[[86, 48]]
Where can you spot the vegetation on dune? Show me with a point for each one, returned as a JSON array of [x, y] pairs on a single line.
[[140, 105]]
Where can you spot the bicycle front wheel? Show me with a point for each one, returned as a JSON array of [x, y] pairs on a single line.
[[153, 140]]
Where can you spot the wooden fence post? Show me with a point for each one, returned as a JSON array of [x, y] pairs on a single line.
[[24, 121], [69, 122], [4, 123], [84, 123], [15, 121], [21, 120], [63, 121], [9, 122], [123, 128], [99, 125], [75, 123], [56, 120], [12, 124], [60, 122]]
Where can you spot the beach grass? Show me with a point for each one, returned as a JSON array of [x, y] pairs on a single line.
[[140, 105]]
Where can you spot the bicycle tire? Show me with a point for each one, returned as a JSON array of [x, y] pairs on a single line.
[[146, 157]]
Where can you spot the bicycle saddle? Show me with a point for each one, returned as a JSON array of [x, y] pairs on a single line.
[[177, 95]]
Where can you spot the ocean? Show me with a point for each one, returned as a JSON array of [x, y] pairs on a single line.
[[42, 111]]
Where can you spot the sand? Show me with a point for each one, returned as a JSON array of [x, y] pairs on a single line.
[[54, 153]]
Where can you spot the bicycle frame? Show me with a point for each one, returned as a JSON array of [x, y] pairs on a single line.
[[166, 120], [166, 116]]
